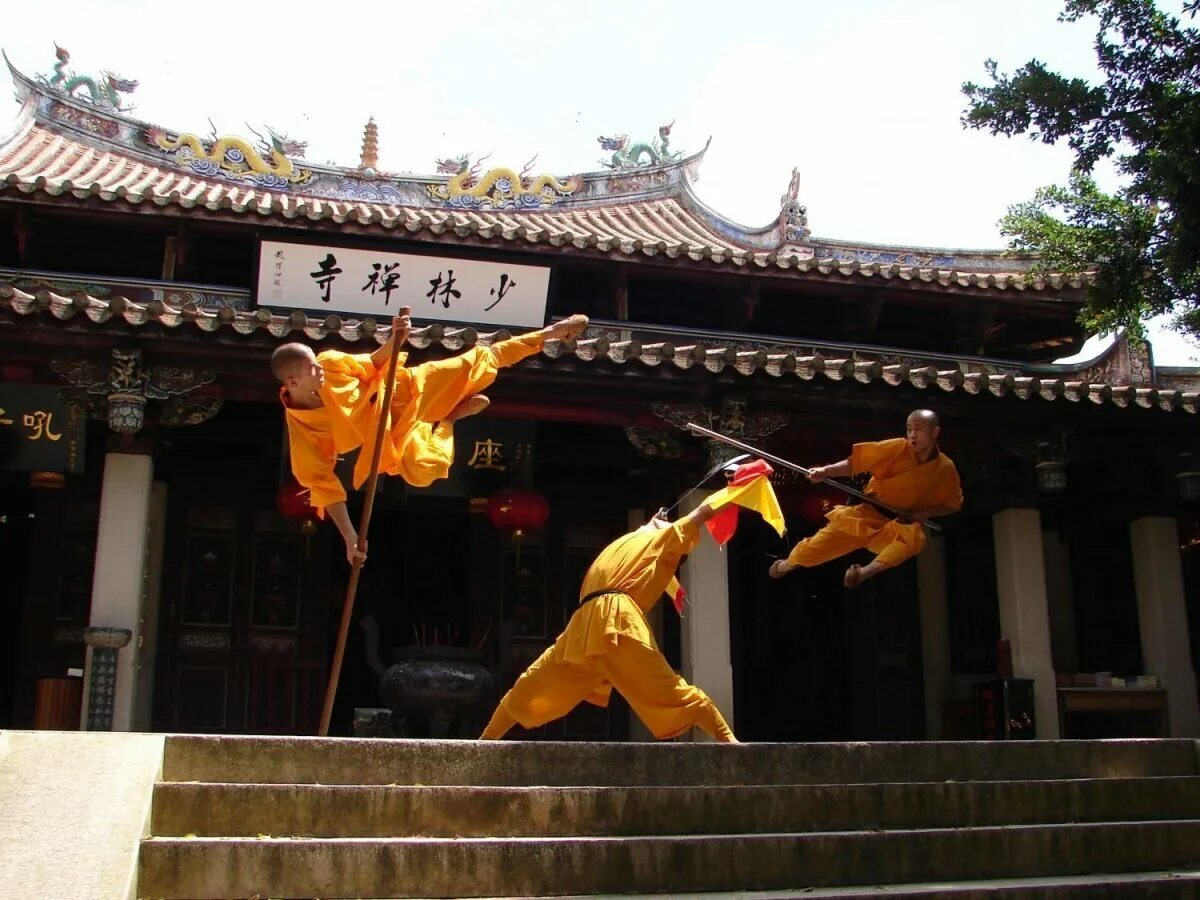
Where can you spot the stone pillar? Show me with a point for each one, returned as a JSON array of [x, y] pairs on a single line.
[[935, 632], [120, 593], [1162, 618], [100, 698], [117, 583], [705, 627], [1024, 618]]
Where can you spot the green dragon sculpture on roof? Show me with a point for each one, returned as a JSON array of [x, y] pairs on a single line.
[[632, 156], [104, 92]]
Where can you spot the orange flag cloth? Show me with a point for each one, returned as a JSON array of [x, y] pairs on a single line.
[[750, 488]]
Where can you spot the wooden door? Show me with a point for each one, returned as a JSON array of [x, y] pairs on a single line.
[[246, 616]]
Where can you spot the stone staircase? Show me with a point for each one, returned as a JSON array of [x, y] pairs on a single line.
[[301, 817]]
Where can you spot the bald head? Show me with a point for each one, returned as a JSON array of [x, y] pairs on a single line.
[[922, 430], [291, 359]]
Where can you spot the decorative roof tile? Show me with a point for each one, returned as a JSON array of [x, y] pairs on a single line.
[[618, 346]]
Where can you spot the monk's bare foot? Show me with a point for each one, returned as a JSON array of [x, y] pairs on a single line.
[[472, 406], [570, 327], [854, 576], [779, 568]]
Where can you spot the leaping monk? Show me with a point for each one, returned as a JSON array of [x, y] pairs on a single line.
[[332, 405], [909, 474]]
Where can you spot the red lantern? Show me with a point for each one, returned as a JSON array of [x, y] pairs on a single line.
[[818, 500], [292, 500], [518, 510]]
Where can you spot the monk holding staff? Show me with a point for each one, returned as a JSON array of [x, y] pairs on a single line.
[[331, 403]]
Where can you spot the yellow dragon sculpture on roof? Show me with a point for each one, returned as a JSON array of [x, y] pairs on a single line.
[[236, 158], [498, 188]]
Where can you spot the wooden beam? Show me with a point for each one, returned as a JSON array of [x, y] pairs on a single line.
[[973, 327], [621, 293]]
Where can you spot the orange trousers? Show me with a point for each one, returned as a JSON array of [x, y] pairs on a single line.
[[428, 392], [662, 699], [891, 541]]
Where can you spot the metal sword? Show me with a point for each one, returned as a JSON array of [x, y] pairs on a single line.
[[666, 510], [771, 458]]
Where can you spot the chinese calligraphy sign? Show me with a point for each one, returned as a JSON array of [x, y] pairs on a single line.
[[366, 282], [488, 454], [327, 271], [38, 433]]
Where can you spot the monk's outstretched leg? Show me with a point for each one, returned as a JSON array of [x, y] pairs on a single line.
[[499, 725], [662, 699], [565, 329], [895, 543], [440, 386], [548, 690], [821, 547]]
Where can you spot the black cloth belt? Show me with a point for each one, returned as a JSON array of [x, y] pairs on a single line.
[[594, 594]]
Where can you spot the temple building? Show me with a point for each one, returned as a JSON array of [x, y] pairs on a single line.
[[163, 574]]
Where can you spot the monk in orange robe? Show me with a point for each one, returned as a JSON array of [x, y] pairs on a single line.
[[331, 402], [608, 642], [910, 474]]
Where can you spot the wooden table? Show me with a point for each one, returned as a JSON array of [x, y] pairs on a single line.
[[1113, 701]]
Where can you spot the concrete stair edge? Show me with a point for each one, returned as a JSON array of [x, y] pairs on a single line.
[[1168, 883], [217, 809], [360, 761], [530, 866]]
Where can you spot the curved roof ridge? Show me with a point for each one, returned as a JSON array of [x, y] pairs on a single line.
[[1100, 357], [910, 248], [109, 128], [767, 238]]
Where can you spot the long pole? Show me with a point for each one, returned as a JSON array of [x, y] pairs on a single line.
[[368, 505], [780, 461]]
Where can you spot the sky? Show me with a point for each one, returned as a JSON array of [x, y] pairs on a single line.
[[864, 96]]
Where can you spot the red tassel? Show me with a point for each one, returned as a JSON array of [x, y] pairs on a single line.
[[723, 525], [679, 600]]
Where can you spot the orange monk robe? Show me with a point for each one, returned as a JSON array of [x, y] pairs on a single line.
[[417, 445], [609, 643], [898, 480]]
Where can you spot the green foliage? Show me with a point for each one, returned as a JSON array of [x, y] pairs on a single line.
[[1143, 242]]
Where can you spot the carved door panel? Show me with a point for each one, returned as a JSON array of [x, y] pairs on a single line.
[[245, 623]]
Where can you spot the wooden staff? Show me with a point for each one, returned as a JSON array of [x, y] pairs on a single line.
[[364, 524], [780, 461]]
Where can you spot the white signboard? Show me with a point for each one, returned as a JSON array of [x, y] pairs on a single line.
[[378, 283]]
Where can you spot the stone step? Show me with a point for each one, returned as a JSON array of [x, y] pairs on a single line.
[[257, 760], [1074, 887], [1168, 884], [447, 867], [349, 811]]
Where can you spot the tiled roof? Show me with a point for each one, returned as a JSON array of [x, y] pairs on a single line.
[[63, 148], [714, 357]]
